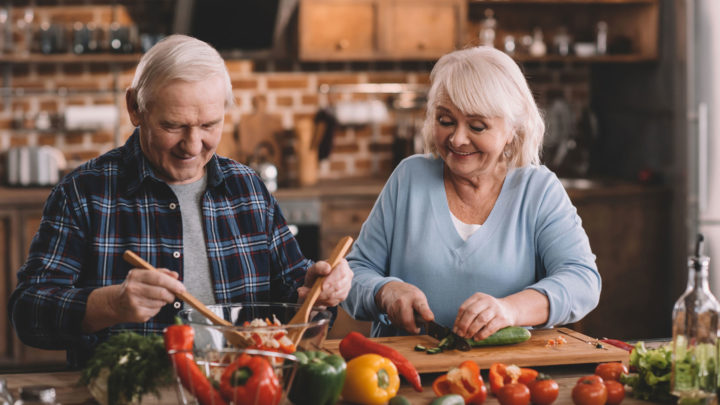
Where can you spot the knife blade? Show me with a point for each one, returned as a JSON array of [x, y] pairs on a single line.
[[441, 332]]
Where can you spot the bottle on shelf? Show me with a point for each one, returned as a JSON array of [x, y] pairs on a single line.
[[487, 29], [694, 332]]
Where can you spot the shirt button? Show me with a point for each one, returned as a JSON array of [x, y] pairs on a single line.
[[173, 206], [177, 305], [176, 255]]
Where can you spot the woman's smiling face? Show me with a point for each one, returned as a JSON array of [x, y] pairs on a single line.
[[470, 145]]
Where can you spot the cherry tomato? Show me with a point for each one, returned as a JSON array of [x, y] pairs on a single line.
[[514, 394], [615, 392], [611, 371], [543, 390], [590, 390]]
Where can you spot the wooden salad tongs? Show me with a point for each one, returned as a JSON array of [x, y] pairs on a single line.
[[232, 336], [303, 314]]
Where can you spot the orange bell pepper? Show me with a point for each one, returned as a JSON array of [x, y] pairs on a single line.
[[501, 374], [370, 379], [465, 381]]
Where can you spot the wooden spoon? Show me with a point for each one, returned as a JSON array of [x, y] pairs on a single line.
[[232, 336], [303, 313]]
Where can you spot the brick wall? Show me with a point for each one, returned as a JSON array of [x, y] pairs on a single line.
[[40, 91]]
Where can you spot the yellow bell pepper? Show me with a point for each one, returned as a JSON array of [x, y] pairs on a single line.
[[370, 380]]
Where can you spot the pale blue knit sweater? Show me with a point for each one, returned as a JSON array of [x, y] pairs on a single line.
[[533, 238]]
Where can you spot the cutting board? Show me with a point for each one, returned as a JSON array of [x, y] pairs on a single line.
[[532, 353]]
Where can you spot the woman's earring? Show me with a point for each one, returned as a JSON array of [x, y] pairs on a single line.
[[506, 151]]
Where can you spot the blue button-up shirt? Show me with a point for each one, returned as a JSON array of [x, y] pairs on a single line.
[[114, 203]]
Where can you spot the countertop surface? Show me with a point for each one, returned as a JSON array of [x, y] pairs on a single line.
[[367, 187]]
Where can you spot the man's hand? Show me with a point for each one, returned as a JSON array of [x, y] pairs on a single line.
[[137, 299], [335, 287], [401, 302]]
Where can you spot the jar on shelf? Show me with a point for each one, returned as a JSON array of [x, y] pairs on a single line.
[[695, 330]]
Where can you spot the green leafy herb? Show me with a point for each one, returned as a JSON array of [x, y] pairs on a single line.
[[654, 370], [134, 365]]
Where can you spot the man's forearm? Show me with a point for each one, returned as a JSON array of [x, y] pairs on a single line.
[[99, 313]]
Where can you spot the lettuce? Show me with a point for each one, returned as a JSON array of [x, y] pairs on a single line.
[[654, 369]]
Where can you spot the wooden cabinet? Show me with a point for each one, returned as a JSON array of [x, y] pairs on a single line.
[[20, 215], [632, 26], [629, 233], [379, 29]]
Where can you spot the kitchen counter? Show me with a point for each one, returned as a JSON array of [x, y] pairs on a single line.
[[68, 393], [577, 188]]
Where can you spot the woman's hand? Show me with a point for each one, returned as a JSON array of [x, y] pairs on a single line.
[[336, 286], [401, 301], [481, 315]]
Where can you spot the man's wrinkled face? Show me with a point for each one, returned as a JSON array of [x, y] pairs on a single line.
[[181, 128]]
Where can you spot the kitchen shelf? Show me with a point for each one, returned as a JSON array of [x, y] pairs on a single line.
[[632, 26], [496, 2], [70, 58]]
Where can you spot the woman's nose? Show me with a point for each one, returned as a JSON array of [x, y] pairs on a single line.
[[459, 136]]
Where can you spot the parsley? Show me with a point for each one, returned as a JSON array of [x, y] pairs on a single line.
[[137, 365]]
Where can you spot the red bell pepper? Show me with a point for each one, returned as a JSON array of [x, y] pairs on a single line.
[[501, 374], [355, 344], [618, 343], [179, 343], [465, 381], [250, 380]]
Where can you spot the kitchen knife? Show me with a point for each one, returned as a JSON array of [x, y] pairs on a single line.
[[440, 332]]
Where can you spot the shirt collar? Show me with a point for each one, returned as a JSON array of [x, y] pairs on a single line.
[[139, 169]]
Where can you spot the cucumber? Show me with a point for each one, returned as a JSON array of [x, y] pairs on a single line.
[[505, 336], [449, 399]]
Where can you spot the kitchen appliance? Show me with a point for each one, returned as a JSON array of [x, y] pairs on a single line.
[[701, 29], [34, 166], [303, 218]]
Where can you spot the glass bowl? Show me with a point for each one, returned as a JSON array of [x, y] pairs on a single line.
[[264, 328], [251, 321], [219, 381]]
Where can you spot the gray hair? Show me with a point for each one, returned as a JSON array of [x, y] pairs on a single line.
[[486, 82], [177, 57]]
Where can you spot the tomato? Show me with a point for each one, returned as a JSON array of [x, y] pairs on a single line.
[[543, 390], [615, 392], [514, 394], [590, 390], [611, 371]]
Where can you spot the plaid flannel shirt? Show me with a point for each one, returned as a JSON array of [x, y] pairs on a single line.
[[115, 202]]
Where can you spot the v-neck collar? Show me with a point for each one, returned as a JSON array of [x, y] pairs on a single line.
[[443, 222]]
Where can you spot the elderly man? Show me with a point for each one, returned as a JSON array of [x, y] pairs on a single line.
[[207, 222]]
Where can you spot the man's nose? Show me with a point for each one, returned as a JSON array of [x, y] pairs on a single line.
[[191, 143]]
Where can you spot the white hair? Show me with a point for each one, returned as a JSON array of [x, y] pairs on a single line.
[[486, 82], [177, 57]]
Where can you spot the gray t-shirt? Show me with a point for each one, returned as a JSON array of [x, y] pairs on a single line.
[[195, 261]]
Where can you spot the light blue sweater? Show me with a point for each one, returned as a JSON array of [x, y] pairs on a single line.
[[533, 238]]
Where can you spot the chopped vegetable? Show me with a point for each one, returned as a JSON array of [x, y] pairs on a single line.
[[130, 366], [501, 374], [267, 335], [464, 380]]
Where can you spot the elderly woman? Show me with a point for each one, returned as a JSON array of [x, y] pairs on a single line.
[[476, 234]]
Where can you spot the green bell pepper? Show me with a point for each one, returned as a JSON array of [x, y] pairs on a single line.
[[319, 378]]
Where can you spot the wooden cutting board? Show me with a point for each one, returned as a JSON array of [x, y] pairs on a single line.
[[532, 353]]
